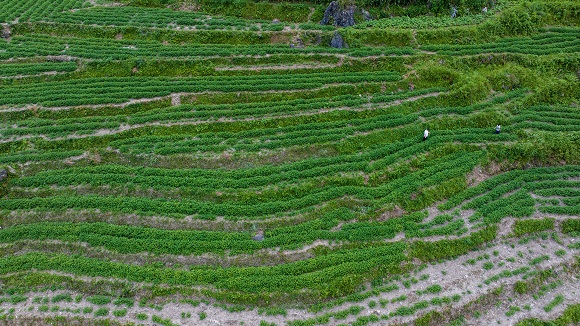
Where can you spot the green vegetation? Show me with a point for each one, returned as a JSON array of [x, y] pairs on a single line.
[[162, 321], [570, 316], [222, 155], [571, 226], [512, 311], [522, 227], [557, 300], [101, 312], [436, 288], [539, 259], [62, 297], [120, 313], [487, 265], [129, 302], [99, 300]]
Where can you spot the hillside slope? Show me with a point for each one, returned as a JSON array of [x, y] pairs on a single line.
[[166, 165]]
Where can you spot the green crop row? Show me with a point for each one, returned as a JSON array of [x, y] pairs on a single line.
[[50, 127], [206, 101], [571, 226], [562, 210], [350, 145], [126, 239], [499, 185], [545, 43], [507, 273], [201, 36], [96, 48], [429, 251], [118, 90], [570, 316], [522, 227], [15, 69], [447, 168], [329, 275], [326, 274], [38, 156], [563, 192], [157, 18], [215, 179], [423, 22], [287, 11], [23, 9]]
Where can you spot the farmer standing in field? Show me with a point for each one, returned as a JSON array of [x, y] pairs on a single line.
[[425, 134], [497, 129]]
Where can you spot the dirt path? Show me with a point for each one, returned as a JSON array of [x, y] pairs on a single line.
[[314, 65], [46, 73]]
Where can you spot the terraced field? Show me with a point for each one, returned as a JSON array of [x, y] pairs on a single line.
[[167, 165]]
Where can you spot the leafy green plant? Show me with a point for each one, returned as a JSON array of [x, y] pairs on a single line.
[[99, 299], [512, 311], [101, 312], [62, 297], [120, 313], [558, 299], [531, 226]]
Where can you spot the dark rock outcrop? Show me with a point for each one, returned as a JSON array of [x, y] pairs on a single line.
[[453, 12], [342, 17], [297, 43], [366, 14], [5, 31], [337, 41], [259, 236]]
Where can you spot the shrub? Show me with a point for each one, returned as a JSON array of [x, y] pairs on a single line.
[[522, 227], [487, 265], [428, 251], [570, 225], [101, 312], [521, 287], [560, 252], [126, 301], [557, 300], [99, 300], [512, 311], [120, 313], [62, 297], [520, 20]]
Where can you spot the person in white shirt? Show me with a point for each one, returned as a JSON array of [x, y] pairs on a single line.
[[497, 129], [425, 134]]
